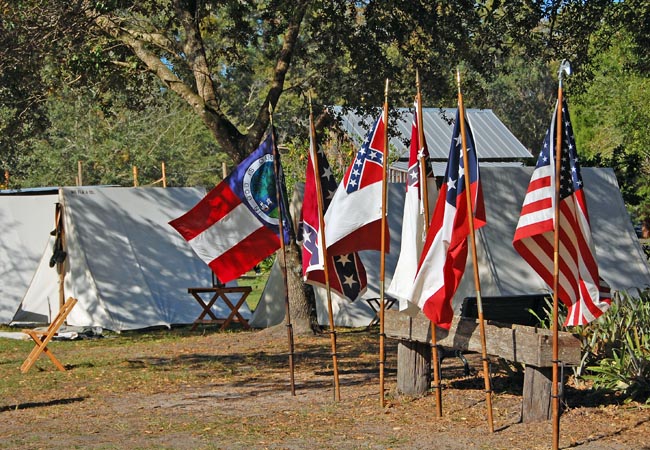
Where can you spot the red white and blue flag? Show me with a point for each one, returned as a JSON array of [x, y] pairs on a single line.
[[347, 276], [353, 219], [580, 288], [445, 250], [235, 225], [413, 222]]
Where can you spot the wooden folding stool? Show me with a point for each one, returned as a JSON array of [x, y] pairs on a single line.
[[42, 338]]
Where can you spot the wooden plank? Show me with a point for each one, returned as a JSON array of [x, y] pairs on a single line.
[[517, 343]]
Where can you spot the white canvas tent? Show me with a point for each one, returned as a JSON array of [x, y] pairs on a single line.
[[503, 272], [26, 219], [126, 266]]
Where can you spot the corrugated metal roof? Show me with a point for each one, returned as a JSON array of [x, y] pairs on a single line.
[[439, 167], [493, 139]]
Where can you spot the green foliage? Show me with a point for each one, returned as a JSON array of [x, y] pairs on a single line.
[[109, 139], [523, 96], [616, 347], [609, 118]]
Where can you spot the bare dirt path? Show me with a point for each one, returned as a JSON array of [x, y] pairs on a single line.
[[231, 391]]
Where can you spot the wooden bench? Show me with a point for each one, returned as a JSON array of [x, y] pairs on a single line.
[[375, 305], [530, 346], [42, 338]]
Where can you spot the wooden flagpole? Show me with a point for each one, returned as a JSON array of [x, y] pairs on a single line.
[[564, 67], [382, 264], [424, 197], [284, 255], [477, 281], [323, 245]]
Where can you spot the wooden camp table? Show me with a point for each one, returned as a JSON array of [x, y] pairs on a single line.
[[374, 305], [220, 293]]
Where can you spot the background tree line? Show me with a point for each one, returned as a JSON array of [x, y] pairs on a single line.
[[119, 83]]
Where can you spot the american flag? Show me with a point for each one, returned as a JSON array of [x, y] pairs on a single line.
[[580, 288], [353, 219], [347, 276], [445, 250]]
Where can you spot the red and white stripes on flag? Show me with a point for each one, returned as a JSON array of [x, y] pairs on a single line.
[[236, 224], [353, 219], [445, 250], [346, 274], [413, 222], [580, 288]]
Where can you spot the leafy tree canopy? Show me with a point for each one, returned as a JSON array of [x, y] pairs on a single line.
[[229, 60]]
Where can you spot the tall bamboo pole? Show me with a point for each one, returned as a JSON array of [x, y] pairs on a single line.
[[79, 174], [382, 264], [283, 266], [424, 198], [323, 245], [477, 281], [135, 176], [564, 67]]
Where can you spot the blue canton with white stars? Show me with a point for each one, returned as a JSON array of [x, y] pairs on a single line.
[[570, 176], [366, 155], [455, 173]]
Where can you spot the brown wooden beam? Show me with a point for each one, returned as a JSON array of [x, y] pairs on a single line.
[[516, 343]]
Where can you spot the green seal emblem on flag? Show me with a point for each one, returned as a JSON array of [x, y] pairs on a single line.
[[259, 189]]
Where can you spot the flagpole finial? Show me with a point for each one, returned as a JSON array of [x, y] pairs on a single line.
[[417, 79], [565, 67], [386, 89], [458, 78]]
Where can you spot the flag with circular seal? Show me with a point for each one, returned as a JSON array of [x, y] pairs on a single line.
[[236, 225]]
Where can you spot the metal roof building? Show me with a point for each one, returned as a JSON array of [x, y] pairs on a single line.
[[495, 144]]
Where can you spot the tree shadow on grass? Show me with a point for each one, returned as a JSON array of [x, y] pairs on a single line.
[[28, 405]]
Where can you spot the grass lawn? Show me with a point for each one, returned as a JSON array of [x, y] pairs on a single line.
[[256, 282]]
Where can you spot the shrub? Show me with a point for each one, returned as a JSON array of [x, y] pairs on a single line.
[[616, 348]]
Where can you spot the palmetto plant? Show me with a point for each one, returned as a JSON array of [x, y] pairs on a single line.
[[616, 348]]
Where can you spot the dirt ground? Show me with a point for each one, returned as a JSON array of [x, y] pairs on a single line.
[[231, 390]]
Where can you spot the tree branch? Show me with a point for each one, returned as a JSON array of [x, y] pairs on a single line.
[[204, 103], [279, 74]]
